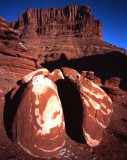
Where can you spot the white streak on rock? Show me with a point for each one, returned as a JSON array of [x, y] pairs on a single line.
[[103, 105], [109, 111], [22, 45], [40, 86], [103, 126], [29, 76], [105, 113], [104, 95], [53, 150], [85, 101], [95, 86], [94, 104], [27, 150], [91, 142], [97, 95], [54, 137], [109, 99], [49, 122], [2, 18], [36, 111]]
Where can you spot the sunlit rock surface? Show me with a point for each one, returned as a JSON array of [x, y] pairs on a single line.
[[39, 126], [104, 64]]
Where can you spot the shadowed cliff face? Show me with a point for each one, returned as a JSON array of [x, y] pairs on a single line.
[[105, 66]]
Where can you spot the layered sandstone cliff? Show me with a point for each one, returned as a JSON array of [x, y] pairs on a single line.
[[72, 31], [71, 20], [44, 36], [15, 61]]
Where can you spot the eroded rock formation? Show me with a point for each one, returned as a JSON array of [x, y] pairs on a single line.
[[14, 57], [38, 126], [71, 31], [71, 20], [24, 49]]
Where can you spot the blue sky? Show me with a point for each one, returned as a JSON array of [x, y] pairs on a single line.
[[112, 13]]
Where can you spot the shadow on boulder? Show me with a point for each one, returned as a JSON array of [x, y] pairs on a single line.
[[72, 109], [10, 109]]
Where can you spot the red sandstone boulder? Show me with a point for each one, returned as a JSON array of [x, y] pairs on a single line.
[[28, 77], [56, 75], [39, 127], [96, 104]]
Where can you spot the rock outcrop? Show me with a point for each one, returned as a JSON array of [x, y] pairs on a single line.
[[71, 20], [71, 31], [14, 57], [24, 48]]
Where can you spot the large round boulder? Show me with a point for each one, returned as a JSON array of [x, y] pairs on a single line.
[[96, 104], [38, 126]]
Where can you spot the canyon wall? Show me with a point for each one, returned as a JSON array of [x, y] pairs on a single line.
[[71, 20]]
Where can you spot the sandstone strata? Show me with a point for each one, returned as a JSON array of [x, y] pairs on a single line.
[[72, 19], [71, 31], [108, 62], [14, 58]]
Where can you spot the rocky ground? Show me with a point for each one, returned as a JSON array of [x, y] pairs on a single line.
[[112, 147], [19, 55]]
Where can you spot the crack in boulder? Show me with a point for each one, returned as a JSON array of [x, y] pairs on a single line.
[[83, 111]]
